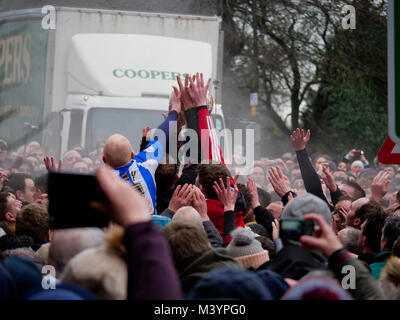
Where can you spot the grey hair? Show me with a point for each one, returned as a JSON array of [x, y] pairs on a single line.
[[350, 239], [69, 242], [188, 213]]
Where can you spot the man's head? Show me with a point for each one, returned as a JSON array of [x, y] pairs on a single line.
[[187, 213], [23, 185], [77, 240], [352, 189], [180, 235], [89, 163], [25, 167], [305, 204], [355, 205], [342, 166], [343, 203], [33, 161], [340, 174], [33, 220], [276, 209], [258, 175], [207, 174], [391, 171], [80, 167], [264, 197], [117, 151], [287, 156], [165, 176], [32, 146], [70, 157], [357, 166], [318, 161], [371, 232], [390, 233], [9, 206], [295, 174], [349, 237]]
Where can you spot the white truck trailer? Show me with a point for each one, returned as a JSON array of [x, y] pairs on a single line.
[[97, 72]]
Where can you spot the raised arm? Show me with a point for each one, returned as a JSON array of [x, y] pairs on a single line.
[[311, 179], [263, 216], [198, 117]]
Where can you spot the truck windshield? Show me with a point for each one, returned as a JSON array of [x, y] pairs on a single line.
[[103, 122]]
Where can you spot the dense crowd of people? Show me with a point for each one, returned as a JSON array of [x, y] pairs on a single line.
[[198, 229]]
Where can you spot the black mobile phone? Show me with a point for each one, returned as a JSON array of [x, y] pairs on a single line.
[[70, 195], [293, 229]]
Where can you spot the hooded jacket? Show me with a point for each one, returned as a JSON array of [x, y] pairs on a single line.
[[213, 259]]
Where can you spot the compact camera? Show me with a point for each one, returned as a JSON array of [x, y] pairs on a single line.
[[293, 229]]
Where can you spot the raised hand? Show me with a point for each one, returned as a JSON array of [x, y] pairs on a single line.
[[380, 186], [185, 97], [199, 203], [3, 178], [339, 218], [279, 181], [50, 164], [225, 194], [198, 91], [328, 179], [298, 139], [251, 186], [145, 131], [236, 176], [43, 199], [351, 153], [181, 197], [176, 100]]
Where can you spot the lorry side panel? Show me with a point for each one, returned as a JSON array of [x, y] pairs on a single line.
[[23, 53]]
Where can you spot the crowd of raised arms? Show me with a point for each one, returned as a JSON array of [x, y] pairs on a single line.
[[199, 229]]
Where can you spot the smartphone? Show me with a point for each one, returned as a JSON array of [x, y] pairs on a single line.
[[293, 229], [70, 195]]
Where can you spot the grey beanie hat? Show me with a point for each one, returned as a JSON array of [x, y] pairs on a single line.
[[243, 243], [307, 203]]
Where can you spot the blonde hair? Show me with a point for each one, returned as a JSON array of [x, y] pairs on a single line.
[[391, 271]]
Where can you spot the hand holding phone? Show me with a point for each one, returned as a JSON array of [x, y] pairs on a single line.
[[293, 229], [70, 195]]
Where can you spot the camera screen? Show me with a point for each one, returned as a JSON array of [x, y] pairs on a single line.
[[291, 229]]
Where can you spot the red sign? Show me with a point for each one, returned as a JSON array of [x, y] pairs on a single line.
[[386, 156]]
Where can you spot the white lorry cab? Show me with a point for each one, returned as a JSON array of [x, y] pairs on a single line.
[[100, 72], [122, 83]]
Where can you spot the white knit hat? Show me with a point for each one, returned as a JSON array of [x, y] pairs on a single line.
[[357, 163], [246, 248]]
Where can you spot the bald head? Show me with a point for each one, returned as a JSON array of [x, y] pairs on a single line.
[[70, 157], [187, 213], [355, 205], [276, 209], [117, 151], [69, 242]]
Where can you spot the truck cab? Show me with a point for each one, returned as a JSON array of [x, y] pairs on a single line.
[[120, 83]]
